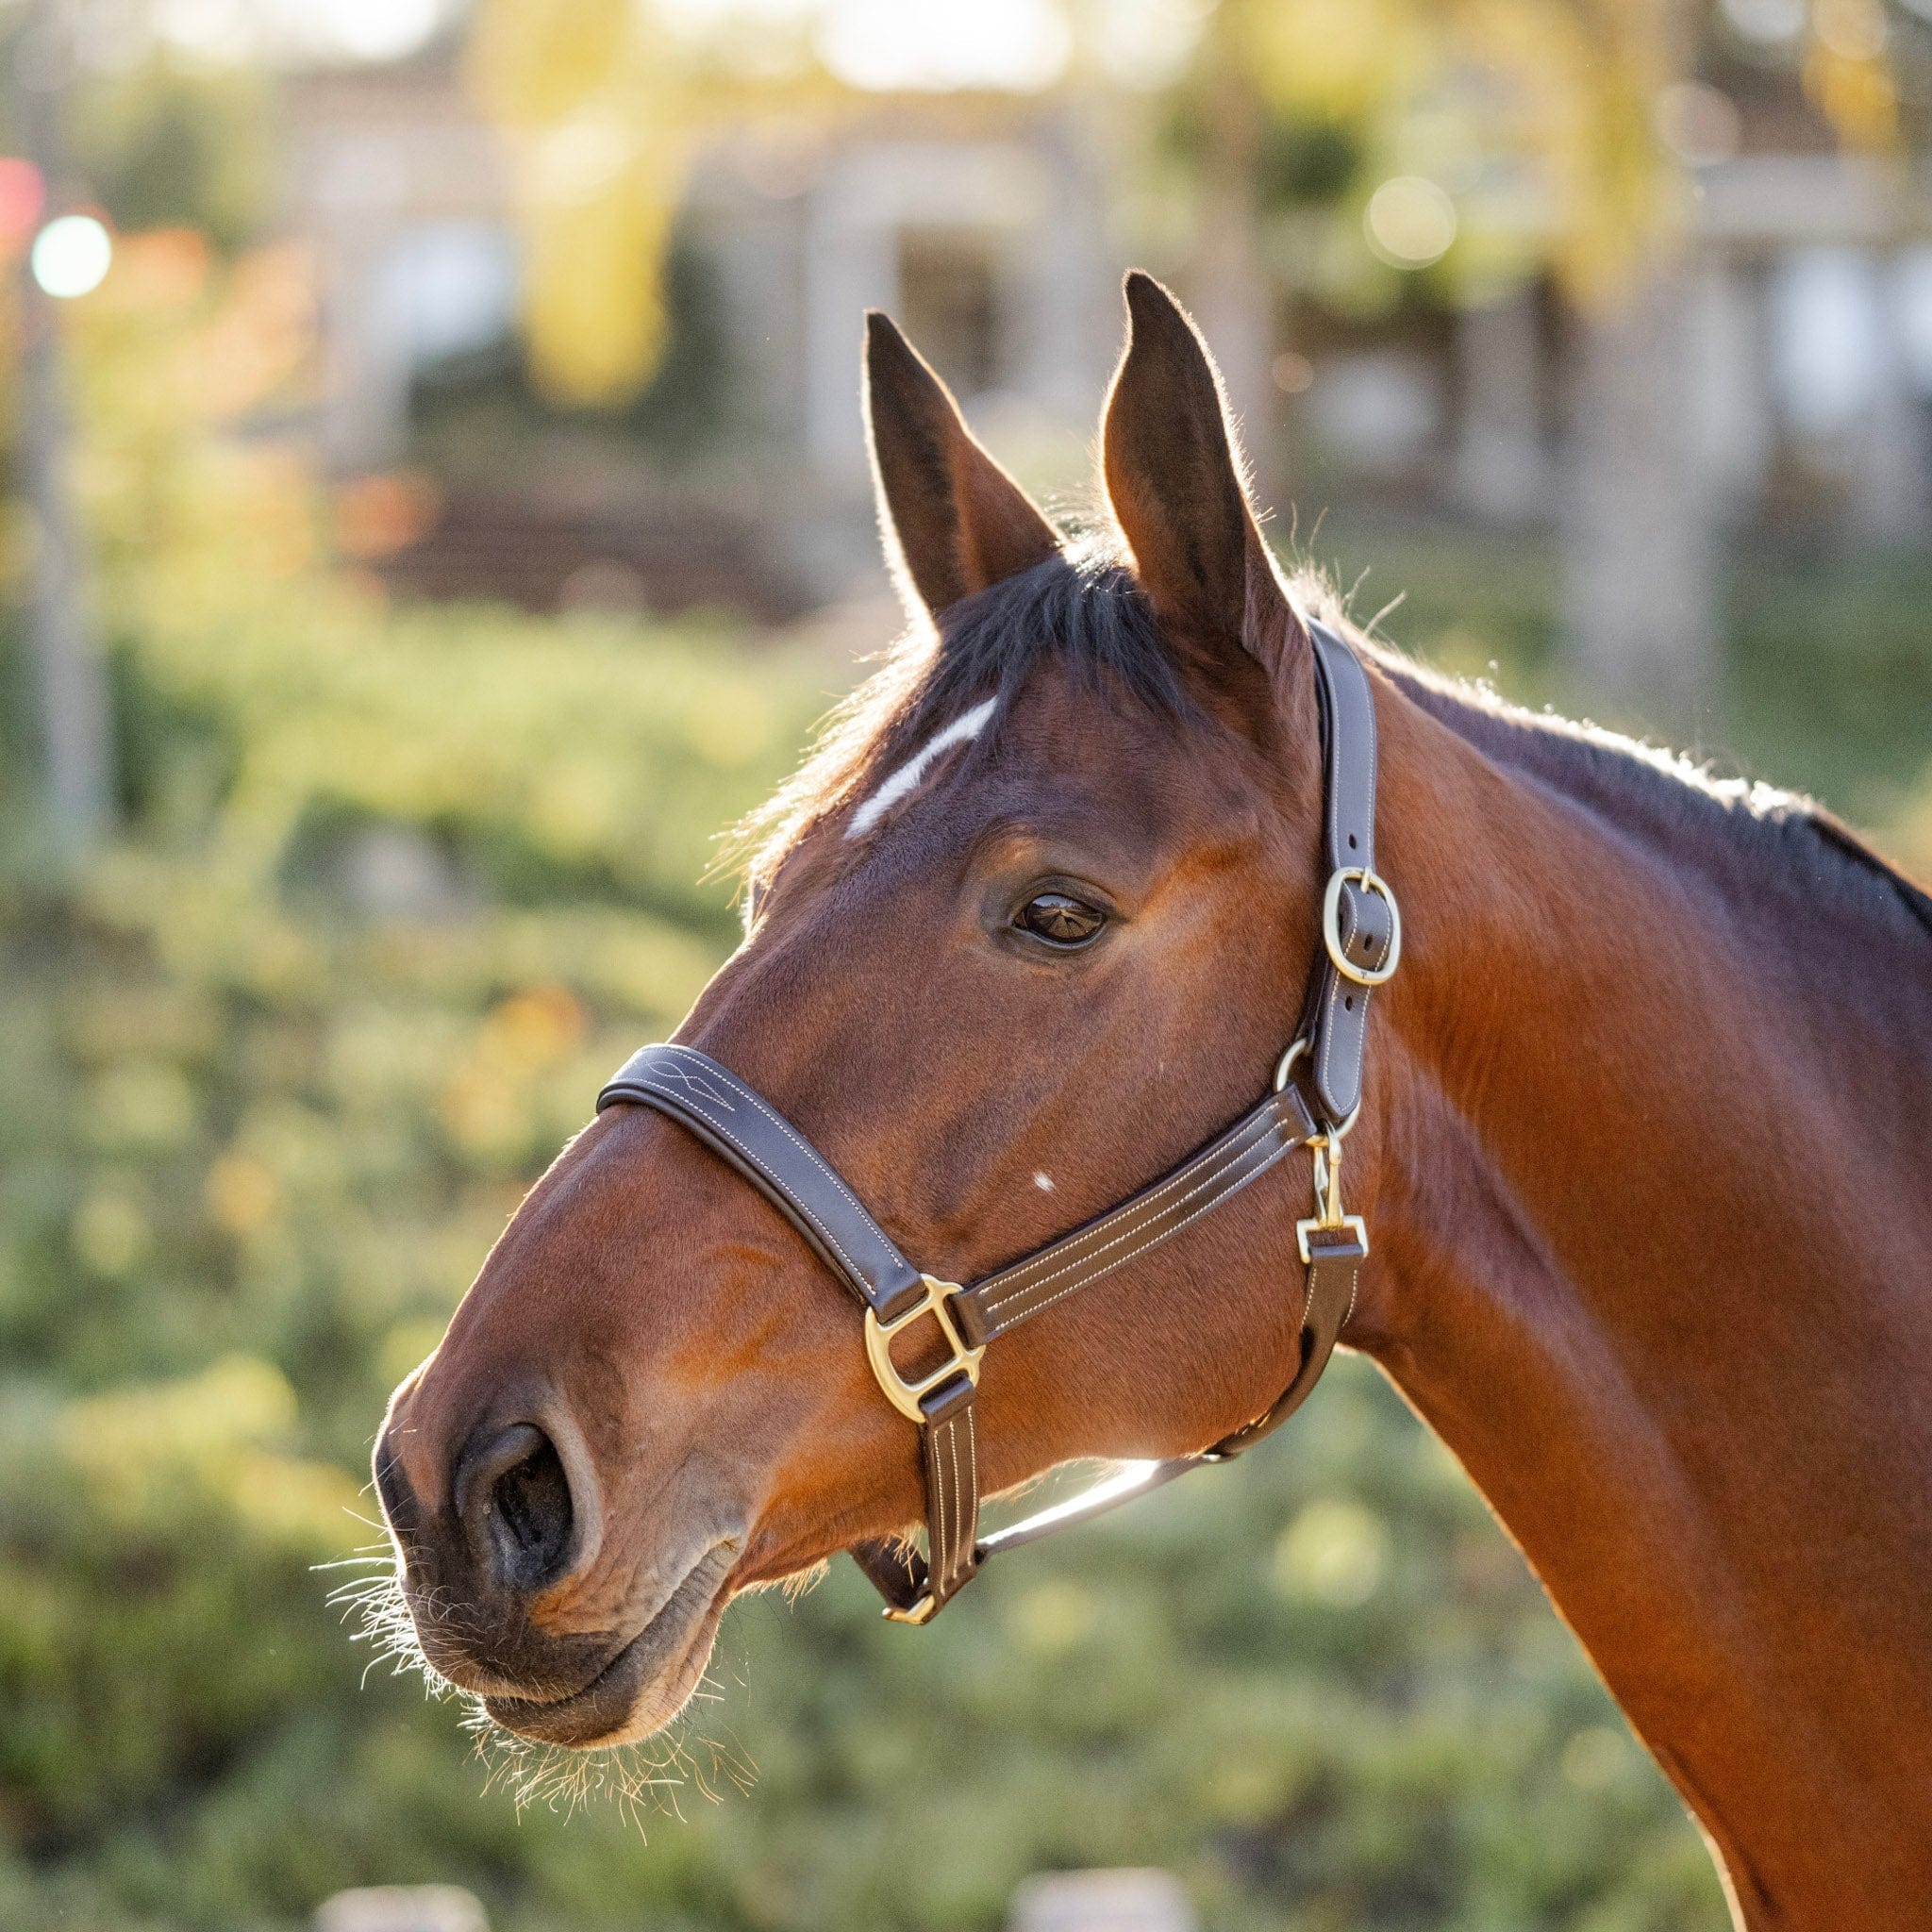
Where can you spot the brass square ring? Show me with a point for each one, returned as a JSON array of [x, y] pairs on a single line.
[[961, 1360]]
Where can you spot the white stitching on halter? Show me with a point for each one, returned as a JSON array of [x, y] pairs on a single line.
[[910, 775]]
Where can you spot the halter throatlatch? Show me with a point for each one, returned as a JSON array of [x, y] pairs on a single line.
[[1316, 1096]]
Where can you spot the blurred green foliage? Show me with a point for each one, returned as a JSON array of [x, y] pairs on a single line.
[[264, 1101], [397, 891], [258, 1127], [170, 142]]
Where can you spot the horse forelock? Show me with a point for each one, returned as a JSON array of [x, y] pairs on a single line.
[[1081, 609]]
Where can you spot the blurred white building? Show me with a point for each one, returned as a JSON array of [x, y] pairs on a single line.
[[984, 233], [1784, 372], [1797, 343]]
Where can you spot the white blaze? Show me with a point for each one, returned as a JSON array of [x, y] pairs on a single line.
[[907, 779]]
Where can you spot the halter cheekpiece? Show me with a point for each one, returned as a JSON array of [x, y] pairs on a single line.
[[1315, 1098]]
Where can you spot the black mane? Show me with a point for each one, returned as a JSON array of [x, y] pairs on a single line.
[[1762, 834], [1085, 609]]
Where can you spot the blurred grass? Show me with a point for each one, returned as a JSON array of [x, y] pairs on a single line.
[[257, 1130]]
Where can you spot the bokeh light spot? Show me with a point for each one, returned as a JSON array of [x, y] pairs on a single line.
[[1851, 29], [1294, 373], [243, 1195], [1768, 22], [1334, 1553], [71, 255], [1410, 222], [885, 45], [379, 29]]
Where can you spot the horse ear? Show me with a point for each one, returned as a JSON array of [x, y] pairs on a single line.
[[953, 521], [1174, 480]]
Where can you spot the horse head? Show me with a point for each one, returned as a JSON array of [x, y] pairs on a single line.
[[1033, 920]]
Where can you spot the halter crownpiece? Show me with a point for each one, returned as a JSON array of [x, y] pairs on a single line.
[[1362, 942]]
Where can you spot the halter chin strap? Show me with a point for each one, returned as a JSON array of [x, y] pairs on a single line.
[[1361, 942]]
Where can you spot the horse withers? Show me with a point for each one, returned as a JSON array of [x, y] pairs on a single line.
[[1641, 1142]]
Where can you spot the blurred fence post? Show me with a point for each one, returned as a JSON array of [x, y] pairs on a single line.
[[1499, 459], [1120, 1901], [1639, 542], [1229, 286], [76, 707], [402, 1908]]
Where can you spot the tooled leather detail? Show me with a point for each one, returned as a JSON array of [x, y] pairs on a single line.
[[777, 1159]]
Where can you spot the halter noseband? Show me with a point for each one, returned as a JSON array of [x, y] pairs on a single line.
[[1361, 934]]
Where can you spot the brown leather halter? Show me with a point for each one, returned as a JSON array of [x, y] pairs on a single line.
[[1361, 935]]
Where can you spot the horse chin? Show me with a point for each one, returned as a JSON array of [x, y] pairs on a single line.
[[645, 1684]]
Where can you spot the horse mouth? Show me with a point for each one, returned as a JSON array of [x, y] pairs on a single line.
[[645, 1684]]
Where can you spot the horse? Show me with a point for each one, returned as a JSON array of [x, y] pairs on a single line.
[[1642, 1140]]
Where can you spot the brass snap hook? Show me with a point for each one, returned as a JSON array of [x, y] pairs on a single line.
[[1328, 1217]]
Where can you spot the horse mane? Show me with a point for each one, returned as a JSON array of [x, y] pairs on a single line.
[[1084, 609], [1740, 827]]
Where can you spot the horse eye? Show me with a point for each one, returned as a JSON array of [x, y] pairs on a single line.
[[1061, 920]]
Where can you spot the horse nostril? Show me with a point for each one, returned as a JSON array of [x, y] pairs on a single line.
[[400, 1508], [515, 1503]]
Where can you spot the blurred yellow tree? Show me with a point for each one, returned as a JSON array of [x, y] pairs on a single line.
[[606, 102], [173, 352]]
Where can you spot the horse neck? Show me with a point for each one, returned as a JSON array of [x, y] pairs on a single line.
[[1655, 1230]]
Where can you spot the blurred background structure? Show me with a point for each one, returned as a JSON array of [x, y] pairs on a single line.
[[434, 505]]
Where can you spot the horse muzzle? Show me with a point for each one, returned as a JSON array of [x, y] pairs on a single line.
[[649, 1680], [497, 1549]]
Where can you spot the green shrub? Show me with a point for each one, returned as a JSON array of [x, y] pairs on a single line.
[[257, 1128]]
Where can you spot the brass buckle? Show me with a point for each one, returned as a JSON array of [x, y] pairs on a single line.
[[1375, 883], [1328, 1217], [904, 1395]]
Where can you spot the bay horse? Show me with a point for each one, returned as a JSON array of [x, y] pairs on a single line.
[[1642, 1140]]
